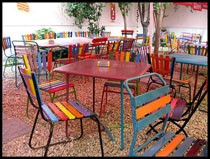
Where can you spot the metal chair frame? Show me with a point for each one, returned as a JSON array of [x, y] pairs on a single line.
[[53, 113]]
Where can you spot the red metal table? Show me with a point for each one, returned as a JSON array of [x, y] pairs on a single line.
[[118, 71]]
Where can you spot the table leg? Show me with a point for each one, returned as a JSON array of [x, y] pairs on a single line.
[[122, 115], [196, 78], [180, 76], [94, 94]]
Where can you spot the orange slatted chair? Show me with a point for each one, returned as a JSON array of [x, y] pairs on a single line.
[[150, 107], [164, 65], [57, 112]]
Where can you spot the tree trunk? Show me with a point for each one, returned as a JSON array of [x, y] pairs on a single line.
[[142, 12], [145, 29], [158, 28], [125, 24]]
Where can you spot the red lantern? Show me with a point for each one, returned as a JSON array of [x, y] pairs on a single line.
[[112, 11]]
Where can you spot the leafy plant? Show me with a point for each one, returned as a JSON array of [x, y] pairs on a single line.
[[42, 31], [86, 11]]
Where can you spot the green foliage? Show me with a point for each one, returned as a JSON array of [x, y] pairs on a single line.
[[124, 7], [86, 11], [42, 31]]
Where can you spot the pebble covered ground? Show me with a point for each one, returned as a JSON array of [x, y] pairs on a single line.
[[14, 105]]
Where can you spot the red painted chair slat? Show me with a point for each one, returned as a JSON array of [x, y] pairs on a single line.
[[196, 147], [59, 113]]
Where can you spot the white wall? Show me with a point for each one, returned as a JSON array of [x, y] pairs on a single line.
[[52, 15], [183, 20]]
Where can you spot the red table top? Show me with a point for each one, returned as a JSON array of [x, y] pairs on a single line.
[[62, 41], [118, 70]]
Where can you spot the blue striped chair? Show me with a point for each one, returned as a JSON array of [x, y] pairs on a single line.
[[60, 111], [150, 107]]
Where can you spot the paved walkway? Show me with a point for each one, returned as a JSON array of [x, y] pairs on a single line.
[[13, 128]]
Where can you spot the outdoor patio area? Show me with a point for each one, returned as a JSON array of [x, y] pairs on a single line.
[[105, 79], [88, 145]]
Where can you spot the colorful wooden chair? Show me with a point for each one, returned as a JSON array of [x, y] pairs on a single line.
[[112, 46], [11, 59], [196, 50], [142, 52], [164, 65], [96, 49], [74, 52], [181, 111], [52, 113], [110, 84], [67, 34], [150, 107]]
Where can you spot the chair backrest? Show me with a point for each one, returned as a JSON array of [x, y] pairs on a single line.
[[106, 34], [76, 50], [126, 33], [174, 45], [31, 36], [6, 44], [197, 50], [162, 64], [33, 91], [148, 107], [66, 34], [98, 45], [127, 44], [142, 40], [50, 35], [34, 60], [113, 45], [81, 34], [121, 56], [142, 52]]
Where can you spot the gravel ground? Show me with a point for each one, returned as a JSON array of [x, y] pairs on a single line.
[[88, 145]]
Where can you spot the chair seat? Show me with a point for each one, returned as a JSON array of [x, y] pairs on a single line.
[[117, 84], [53, 86], [176, 145], [62, 111]]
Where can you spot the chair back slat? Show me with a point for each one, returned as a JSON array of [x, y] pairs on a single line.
[[26, 74], [142, 54], [148, 108], [146, 97], [49, 60], [162, 64]]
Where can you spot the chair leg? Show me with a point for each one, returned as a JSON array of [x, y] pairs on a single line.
[[32, 131], [101, 108], [75, 94], [5, 65], [49, 139], [27, 105], [99, 132]]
